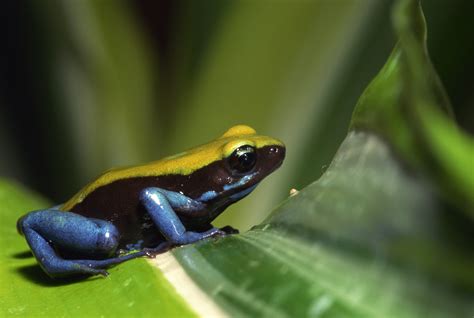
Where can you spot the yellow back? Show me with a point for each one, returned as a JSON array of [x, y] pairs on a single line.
[[183, 163]]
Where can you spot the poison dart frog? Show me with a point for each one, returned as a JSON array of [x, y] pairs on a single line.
[[146, 209]]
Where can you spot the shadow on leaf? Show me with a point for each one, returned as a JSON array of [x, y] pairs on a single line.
[[23, 255], [35, 274]]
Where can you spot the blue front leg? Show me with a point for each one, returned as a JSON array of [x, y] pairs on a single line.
[[160, 203], [49, 230]]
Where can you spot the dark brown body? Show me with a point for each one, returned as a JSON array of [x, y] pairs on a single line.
[[118, 202]]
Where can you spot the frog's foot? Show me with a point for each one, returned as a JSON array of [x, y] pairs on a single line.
[[49, 230], [213, 232], [98, 265], [189, 236]]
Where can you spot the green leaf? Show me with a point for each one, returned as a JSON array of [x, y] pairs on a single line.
[[132, 289], [407, 104], [374, 236], [448, 150]]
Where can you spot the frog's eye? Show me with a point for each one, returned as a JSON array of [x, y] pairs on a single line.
[[243, 159]]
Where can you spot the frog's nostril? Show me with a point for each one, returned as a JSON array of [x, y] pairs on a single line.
[[274, 150], [277, 151]]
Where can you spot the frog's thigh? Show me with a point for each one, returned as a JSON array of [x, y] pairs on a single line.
[[70, 232]]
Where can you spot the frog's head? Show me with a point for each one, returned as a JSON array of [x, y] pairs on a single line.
[[243, 160]]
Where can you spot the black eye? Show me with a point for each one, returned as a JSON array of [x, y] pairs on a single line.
[[243, 159]]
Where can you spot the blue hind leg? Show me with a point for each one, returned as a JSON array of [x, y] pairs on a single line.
[[47, 230]]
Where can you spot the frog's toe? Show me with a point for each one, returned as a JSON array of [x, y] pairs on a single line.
[[149, 253], [161, 248], [214, 232], [102, 272], [229, 230], [92, 271]]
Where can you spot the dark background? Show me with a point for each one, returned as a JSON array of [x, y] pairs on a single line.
[[39, 137]]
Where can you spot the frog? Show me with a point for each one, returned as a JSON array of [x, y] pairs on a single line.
[[147, 209]]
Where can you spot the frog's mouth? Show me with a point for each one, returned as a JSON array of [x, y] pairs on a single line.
[[231, 192], [242, 194], [239, 190]]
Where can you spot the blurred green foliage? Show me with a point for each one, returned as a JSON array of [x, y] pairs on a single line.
[[87, 85]]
